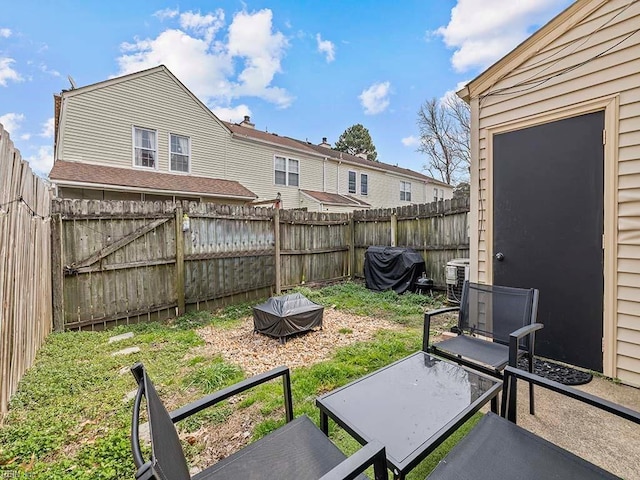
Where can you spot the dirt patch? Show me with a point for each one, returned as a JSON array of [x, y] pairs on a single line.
[[257, 353]]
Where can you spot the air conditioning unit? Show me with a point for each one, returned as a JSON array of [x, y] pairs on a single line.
[[456, 272]]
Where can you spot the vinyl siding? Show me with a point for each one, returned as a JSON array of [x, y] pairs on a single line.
[[97, 124], [614, 73], [97, 127]]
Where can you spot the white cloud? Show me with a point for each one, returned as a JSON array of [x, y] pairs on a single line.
[[45, 69], [375, 99], [42, 161], [207, 65], [25, 136], [452, 93], [410, 141], [251, 38], [5, 32], [48, 128], [231, 114], [7, 72], [12, 122], [326, 47], [166, 13], [482, 31]]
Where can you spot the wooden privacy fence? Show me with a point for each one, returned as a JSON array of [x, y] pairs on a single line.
[[119, 261], [25, 267]]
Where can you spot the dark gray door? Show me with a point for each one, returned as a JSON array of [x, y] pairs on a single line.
[[548, 222]]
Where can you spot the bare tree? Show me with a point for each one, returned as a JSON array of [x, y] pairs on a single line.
[[444, 137]]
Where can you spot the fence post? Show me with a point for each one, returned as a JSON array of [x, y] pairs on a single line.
[[394, 229], [276, 239], [352, 247], [57, 274], [180, 261]]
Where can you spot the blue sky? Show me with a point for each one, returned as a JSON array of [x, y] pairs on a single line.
[[299, 68]]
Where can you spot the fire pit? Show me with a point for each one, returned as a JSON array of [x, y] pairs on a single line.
[[287, 315]]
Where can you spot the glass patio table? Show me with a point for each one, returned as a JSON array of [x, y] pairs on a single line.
[[410, 406]]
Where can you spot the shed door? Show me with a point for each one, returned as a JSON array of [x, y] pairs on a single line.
[[548, 224]]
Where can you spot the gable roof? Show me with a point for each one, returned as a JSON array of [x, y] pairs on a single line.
[[82, 174], [556, 27], [308, 148], [335, 199], [160, 69]]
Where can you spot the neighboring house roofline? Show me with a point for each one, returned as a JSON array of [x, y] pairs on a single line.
[[556, 27], [258, 136], [110, 187], [91, 175], [336, 199]]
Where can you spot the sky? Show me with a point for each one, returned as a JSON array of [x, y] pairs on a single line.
[[303, 69]]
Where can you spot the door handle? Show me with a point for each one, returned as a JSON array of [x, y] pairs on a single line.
[[499, 256]]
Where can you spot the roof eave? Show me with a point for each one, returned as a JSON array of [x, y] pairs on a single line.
[[108, 186], [557, 26]]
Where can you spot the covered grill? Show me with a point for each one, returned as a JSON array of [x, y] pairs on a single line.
[[392, 268]]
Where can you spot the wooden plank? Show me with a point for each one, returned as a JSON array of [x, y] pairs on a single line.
[[103, 252], [179, 270], [276, 239], [57, 276]]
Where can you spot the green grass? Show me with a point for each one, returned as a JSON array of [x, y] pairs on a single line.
[[68, 418]]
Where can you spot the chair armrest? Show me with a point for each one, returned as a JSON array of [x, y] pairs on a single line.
[[511, 374], [526, 330], [372, 453], [427, 324], [239, 387], [514, 337], [433, 313]]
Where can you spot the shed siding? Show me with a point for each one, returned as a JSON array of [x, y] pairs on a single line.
[[616, 72], [98, 124]]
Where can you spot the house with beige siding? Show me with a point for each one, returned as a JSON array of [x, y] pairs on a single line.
[[555, 182], [146, 136]]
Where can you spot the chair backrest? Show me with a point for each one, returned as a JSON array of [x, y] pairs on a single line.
[[496, 311], [167, 458]]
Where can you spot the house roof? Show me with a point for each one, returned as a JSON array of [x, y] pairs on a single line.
[[79, 174], [317, 150], [335, 199], [556, 27]]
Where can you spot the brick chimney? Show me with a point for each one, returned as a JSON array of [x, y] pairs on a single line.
[[324, 143], [247, 122]]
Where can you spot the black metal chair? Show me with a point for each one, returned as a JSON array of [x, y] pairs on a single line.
[[297, 450], [498, 448], [496, 326]]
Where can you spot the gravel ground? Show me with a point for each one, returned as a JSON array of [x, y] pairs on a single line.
[[257, 353]]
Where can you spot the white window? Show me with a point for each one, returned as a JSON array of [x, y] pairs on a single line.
[[144, 147], [364, 184], [179, 152], [287, 171], [435, 194], [405, 191], [441, 194], [352, 181]]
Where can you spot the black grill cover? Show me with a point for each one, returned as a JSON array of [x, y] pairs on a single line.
[[392, 268], [286, 315]]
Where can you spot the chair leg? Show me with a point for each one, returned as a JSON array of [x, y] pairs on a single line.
[[531, 401]]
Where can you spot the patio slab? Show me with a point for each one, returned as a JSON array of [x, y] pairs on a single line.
[[599, 437]]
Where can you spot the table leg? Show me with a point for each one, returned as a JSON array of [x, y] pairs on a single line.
[[324, 423], [494, 404]]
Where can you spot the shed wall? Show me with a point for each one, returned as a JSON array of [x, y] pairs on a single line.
[[608, 52]]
